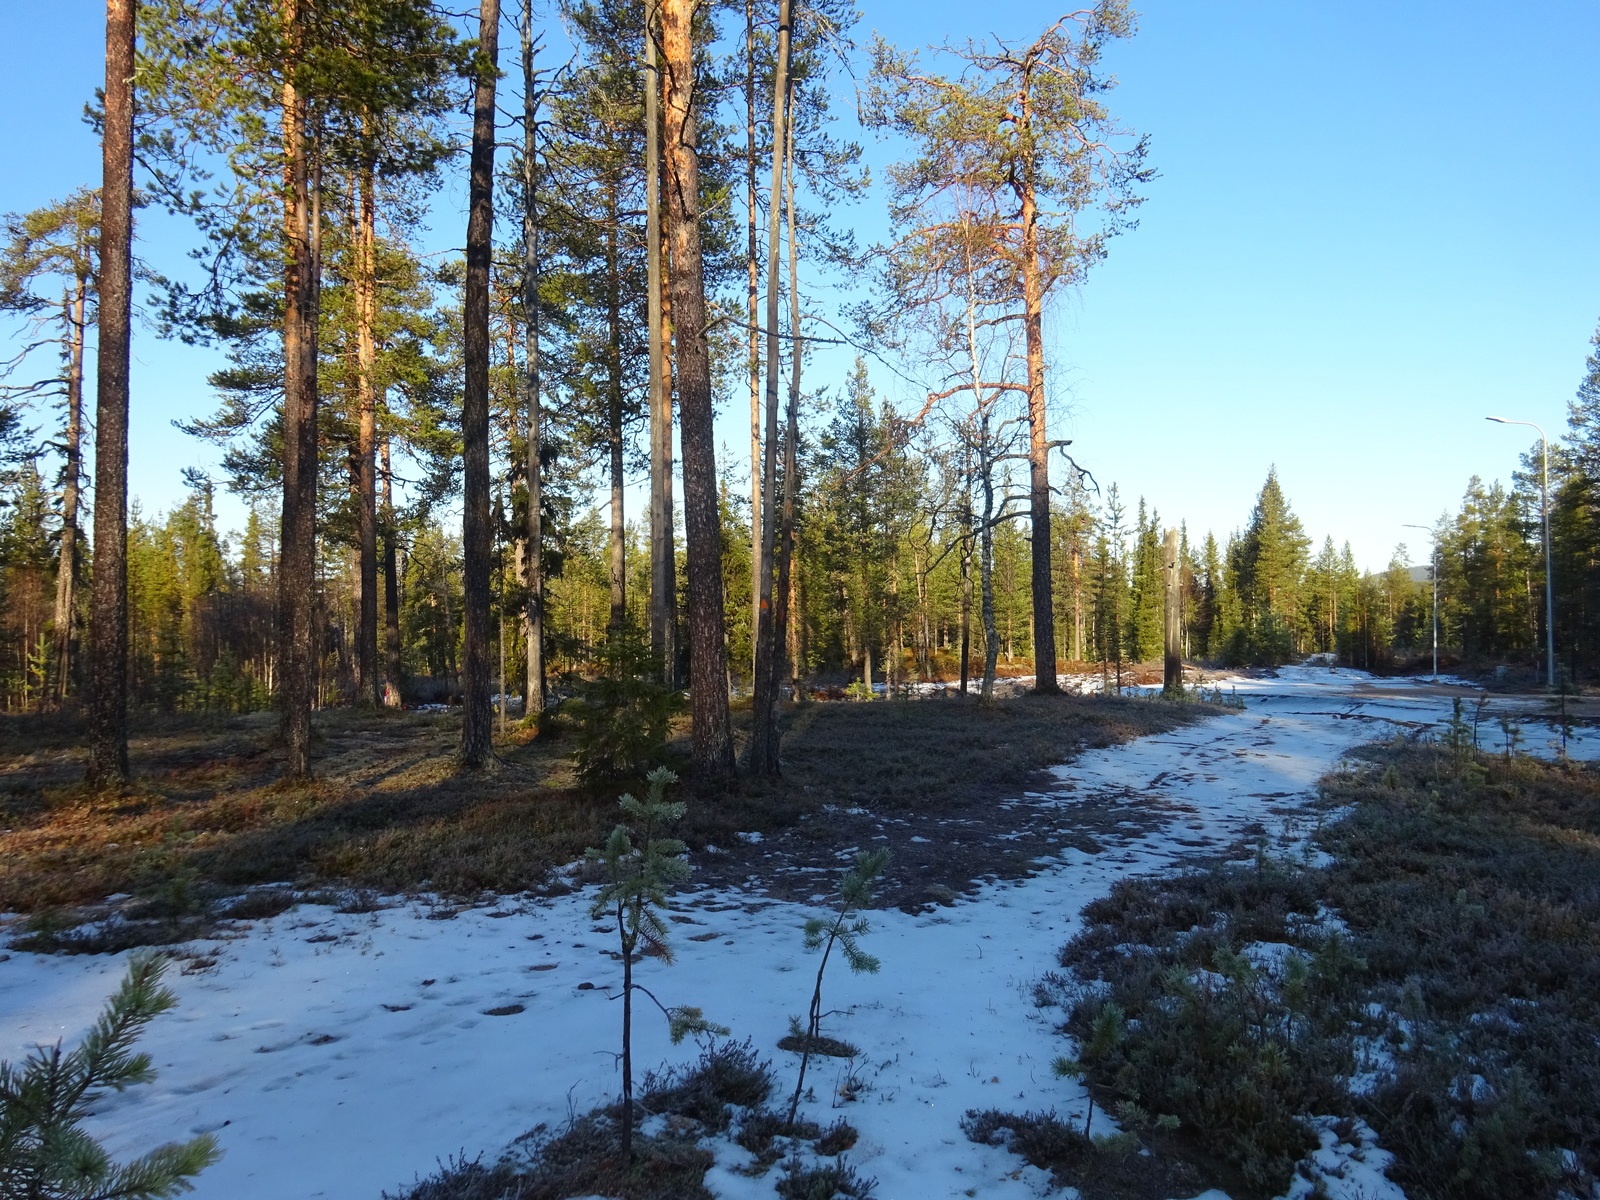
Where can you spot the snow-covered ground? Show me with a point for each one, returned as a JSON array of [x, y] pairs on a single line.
[[339, 1055]]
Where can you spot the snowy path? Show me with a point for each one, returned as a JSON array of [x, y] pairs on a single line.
[[336, 1055]]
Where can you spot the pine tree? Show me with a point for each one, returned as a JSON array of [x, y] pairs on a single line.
[[642, 866], [57, 245], [45, 1155], [108, 611], [1023, 137]]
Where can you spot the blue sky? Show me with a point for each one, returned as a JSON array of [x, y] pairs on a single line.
[[1371, 230]]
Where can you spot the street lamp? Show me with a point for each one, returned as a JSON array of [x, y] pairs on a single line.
[[1434, 571], [1549, 579]]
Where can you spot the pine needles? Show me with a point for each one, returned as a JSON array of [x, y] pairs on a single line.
[[44, 1155]]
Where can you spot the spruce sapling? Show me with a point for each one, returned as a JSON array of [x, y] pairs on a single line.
[[638, 878], [842, 930], [43, 1153]]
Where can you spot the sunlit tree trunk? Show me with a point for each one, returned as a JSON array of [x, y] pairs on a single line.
[[711, 731], [297, 559], [108, 616], [366, 314]]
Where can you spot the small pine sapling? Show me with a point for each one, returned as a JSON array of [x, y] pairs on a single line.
[[1458, 738], [1105, 1036], [641, 868], [1480, 709], [44, 1155], [841, 930], [1512, 733], [1561, 716]]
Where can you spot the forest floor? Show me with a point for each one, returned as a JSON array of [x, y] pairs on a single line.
[[209, 817], [340, 1041]]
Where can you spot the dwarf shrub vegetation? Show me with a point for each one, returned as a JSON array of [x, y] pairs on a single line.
[[1453, 1003]]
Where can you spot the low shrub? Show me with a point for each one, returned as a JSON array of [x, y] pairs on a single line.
[[1457, 1010], [728, 1075]]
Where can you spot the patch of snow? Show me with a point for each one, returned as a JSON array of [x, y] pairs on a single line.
[[344, 1067], [1344, 1168]]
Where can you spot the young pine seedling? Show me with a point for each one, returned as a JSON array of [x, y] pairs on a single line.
[[641, 868], [842, 929], [44, 1155], [1105, 1036]]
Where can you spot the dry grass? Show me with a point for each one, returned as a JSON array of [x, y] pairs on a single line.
[[208, 814]]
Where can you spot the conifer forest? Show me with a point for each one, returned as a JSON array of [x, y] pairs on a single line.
[[676, 399]]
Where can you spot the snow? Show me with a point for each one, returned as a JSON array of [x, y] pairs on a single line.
[[342, 1054]]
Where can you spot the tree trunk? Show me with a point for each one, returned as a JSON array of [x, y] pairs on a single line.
[[1044, 622], [991, 640], [712, 734], [753, 341], [764, 708], [1172, 683], [297, 559], [663, 559], [108, 613], [366, 314], [477, 727], [966, 583], [619, 531], [783, 607], [533, 468], [391, 589], [66, 613]]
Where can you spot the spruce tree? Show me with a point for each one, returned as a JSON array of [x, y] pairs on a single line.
[[1270, 562]]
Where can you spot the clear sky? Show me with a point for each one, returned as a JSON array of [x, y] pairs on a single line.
[[1372, 228]]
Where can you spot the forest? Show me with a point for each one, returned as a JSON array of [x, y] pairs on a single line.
[[604, 421], [522, 394]]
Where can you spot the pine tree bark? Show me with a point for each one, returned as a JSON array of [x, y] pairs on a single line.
[[663, 556], [366, 314], [1044, 624], [297, 529], [712, 734], [533, 468], [108, 614], [477, 727], [66, 611]]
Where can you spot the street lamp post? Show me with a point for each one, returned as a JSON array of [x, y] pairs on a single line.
[[1549, 578], [1434, 571]]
